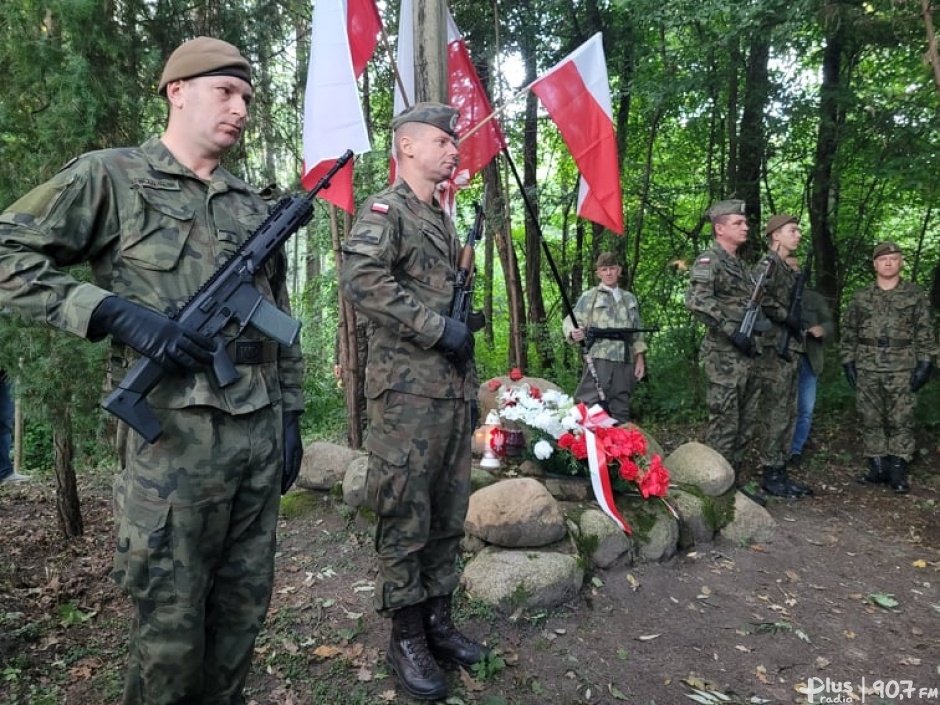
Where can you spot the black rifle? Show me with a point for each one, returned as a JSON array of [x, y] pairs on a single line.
[[228, 295], [752, 310], [593, 333], [795, 309], [463, 286]]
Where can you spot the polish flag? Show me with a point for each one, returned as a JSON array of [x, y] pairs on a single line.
[[576, 94], [344, 36], [465, 92]]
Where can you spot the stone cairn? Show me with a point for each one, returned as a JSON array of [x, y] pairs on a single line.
[[530, 535]]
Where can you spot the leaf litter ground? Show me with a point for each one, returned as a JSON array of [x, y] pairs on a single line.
[[848, 590]]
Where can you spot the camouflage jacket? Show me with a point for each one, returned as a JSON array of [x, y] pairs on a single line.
[[776, 302], [888, 331], [399, 269], [599, 308], [153, 233], [719, 288]]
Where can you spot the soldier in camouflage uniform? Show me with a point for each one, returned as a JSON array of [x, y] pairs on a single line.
[[720, 285], [618, 368], [778, 375], [197, 510], [399, 270], [887, 353]]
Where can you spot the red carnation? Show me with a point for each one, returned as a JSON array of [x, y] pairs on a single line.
[[515, 374]]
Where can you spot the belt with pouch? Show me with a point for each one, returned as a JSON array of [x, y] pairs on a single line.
[[252, 352], [886, 342]]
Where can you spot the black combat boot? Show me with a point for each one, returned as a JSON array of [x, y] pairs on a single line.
[[897, 475], [877, 471], [409, 657], [777, 483], [445, 640], [798, 488]]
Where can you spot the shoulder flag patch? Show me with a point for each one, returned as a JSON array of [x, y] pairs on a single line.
[[703, 260], [380, 207]]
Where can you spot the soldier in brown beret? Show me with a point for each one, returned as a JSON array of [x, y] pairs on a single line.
[[778, 374], [399, 268], [887, 352], [196, 511]]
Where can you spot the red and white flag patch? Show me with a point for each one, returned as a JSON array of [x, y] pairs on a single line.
[[380, 207]]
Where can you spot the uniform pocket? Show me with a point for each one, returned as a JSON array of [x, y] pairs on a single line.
[[143, 561], [162, 226], [386, 477]]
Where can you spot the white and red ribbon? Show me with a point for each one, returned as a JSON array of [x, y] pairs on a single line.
[[589, 420]]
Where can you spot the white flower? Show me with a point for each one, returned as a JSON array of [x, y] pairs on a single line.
[[543, 450]]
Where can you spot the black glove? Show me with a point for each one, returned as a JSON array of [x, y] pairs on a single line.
[[850, 375], [921, 374], [293, 450], [742, 343], [152, 334], [474, 414], [457, 342], [476, 321]]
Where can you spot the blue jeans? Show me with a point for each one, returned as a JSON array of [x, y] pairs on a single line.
[[6, 428], [805, 401]]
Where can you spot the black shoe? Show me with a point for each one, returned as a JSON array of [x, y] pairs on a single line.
[[750, 491], [796, 460], [776, 483], [411, 660], [877, 471], [897, 475], [799, 488], [444, 639]]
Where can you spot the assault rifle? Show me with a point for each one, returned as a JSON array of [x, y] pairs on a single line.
[[228, 295], [463, 286], [795, 309], [625, 334], [752, 310]]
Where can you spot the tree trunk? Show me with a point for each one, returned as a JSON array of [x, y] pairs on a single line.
[[349, 346], [67, 505], [827, 145], [751, 142]]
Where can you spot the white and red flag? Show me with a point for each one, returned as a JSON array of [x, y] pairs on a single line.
[[576, 94], [344, 36], [465, 92]]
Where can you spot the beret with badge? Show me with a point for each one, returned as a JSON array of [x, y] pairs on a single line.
[[204, 56], [441, 116], [729, 207], [885, 248]]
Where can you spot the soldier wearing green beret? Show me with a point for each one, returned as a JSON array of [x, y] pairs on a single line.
[[778, 375], [618, 365], [399, 269], [720, 284], [887, 351], [196, 511]]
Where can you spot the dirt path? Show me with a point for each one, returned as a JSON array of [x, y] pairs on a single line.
[[752, 622]]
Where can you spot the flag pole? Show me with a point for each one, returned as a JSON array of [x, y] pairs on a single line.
[[391, 58], [496, 113], [566, 302]]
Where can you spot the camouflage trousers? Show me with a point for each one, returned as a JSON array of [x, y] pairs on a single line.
[[196, 514], [776, 417], [885, 406], [731, 399], [616, 379], [418, 485]]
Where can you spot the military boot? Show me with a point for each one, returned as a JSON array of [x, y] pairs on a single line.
[[798, 488], [408, 656], [445, 640], [897, 475], [777, 483], [877, 471]]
